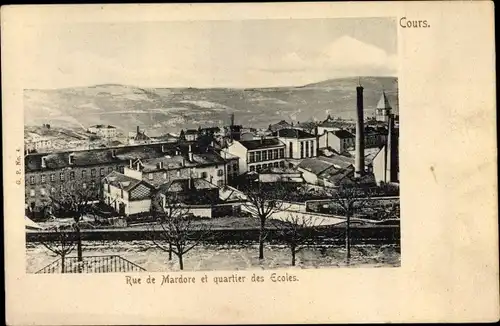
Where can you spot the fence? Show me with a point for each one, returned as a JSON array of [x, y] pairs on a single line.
[[91, 264]]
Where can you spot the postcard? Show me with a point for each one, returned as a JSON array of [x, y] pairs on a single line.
[[250, 163]]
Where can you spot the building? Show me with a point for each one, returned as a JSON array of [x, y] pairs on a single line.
[[339, 140], [138, 137], [38, 143], [322, 172], [331, 124], [257, 154], [191, 134], [189, 191], [180, 164], [299, 144], [383, 110], [386, 162], [105, 131], [74, 171], [126, 195]]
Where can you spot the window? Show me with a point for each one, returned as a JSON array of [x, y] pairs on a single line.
[[61, 176], [290, 150], [270, 154], [307, 149], [109, 187], [92, 173], [84, 185], [282, 164], [264, 155], [252, 168], [282, 152], [52, 177], [259, 167], [275, 154], [257, 156], [312, 148], [276, 164], [220, 183], [52, 190], [252, 157], [110, 169], [32, 180], [84, 174], [122, 169], [121, 193], [42, 191], [61, 188], [42, 178], [92, 184], [220, 172], [101, 172], [264, 166], [32, 192], [150, 176], [72, 175], [301, 149], [178, 173]]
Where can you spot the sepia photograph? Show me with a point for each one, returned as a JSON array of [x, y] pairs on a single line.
[[212, 145]]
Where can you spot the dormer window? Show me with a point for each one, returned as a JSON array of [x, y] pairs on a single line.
[[44, 163], [71, 159], [113, 153]]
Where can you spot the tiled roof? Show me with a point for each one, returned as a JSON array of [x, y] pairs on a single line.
[[182, 160], [337, 176], [314, 165], [261, 143], [122, 181], [343, 134], [292, 133], [59, 160], [182, 185]]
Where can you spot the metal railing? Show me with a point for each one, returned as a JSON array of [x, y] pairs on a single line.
[[91, 264]]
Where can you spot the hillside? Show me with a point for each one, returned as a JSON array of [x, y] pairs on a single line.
[[161, 110]]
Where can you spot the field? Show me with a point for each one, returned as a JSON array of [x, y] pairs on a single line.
[[205, 258]]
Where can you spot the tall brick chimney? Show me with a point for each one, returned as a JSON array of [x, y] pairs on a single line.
[[360, 133], [391, 149]]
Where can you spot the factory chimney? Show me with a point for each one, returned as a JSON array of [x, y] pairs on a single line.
[[232, 119], [360, 134], [391, 173]]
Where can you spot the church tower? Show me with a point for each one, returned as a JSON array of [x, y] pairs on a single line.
[[383, 110]]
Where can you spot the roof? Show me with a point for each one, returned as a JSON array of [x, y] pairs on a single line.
[[261, 143], [103, 126], [314, 165], [100, 156], [343, 134], [337, 176], [122, 181], [383, 103], [191, 132], [293, 133], [182, 185], [182, 160]]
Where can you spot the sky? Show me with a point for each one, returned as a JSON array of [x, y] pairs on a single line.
[[249, 53]]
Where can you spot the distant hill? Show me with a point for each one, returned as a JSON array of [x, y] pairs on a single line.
[[161, 110]]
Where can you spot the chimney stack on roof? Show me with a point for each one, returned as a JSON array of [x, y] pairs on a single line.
[[138, 130], [360, 137]]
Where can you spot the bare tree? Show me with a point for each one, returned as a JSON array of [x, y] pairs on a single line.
[[348, 200], [176, 232], [63, 244], [296, 232], [262, 201], [73, 204]]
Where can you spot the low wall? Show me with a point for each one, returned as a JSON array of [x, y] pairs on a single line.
[[324, 235]]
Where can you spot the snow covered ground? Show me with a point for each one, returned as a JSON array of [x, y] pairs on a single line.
[[144, 254]]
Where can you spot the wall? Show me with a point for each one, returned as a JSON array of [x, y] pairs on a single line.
[[379, 166], [309, 177], [239, 150], [138, 206], [67, 184], [202, 211], [295, 143]]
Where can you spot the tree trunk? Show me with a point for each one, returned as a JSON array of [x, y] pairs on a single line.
[[261, 238], [181, 263], [348, 238], [79, 244], [169, 251], [293, 255], [62, 263]]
